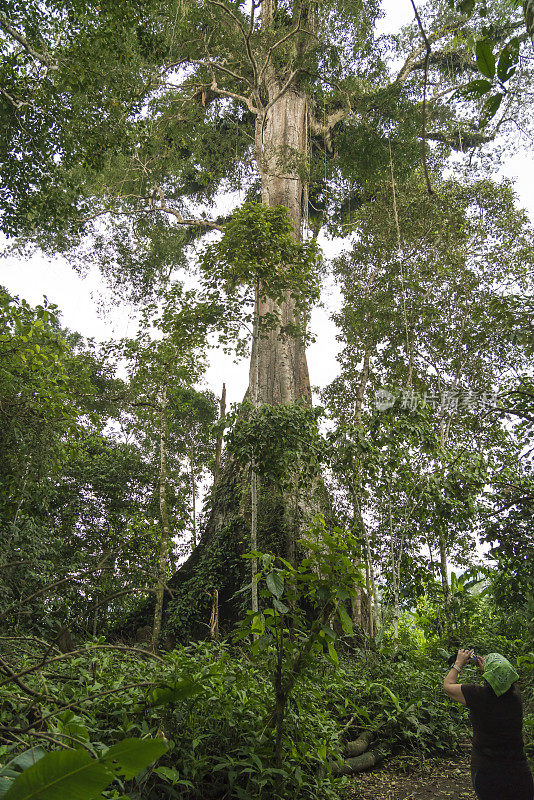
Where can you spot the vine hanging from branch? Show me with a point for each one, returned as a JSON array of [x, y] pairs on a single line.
[[425, 85]]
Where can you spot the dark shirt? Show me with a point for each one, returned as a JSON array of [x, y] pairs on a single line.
[[497, 724]]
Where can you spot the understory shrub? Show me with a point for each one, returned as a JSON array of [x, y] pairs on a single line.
[[213, 704]]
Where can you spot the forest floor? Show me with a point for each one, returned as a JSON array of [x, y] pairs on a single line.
[[408, 779]]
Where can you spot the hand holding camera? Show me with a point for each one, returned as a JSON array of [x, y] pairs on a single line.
[[462, 657]]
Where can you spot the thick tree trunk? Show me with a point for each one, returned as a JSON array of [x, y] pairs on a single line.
[[281, 149]]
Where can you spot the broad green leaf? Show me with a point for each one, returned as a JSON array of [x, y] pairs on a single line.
[[71, 725], [329, 632], [168, 773], [485, 58], [332, 653], [275, 583], [258, 624], [280, 607], [491, 106], [5, 783], [133, 755], [478, 88], [346, 622], [26, 759], [161, 696], [62, 775], [391, 694], [508, 59]]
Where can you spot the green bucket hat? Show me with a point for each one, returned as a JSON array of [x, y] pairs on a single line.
[[499, 673]]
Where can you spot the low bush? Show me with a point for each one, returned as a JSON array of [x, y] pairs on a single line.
[[264, 715], [213, 703]]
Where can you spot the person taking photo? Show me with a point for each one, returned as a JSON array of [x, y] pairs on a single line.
[[499, 767]]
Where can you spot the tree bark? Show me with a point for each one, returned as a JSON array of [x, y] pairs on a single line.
[[214, 620], [359, 745], [218, 444], [357, 608], [444, 575], [368, 589], [364, 377], [164, 513], [356, 764], [373, 606], [281, 150], [193, 497]]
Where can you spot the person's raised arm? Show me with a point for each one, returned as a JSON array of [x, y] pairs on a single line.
[[450, 684]]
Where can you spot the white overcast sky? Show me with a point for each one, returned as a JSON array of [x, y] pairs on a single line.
[[78, 297]]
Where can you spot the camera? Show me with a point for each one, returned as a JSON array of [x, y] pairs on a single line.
[[472, 660]]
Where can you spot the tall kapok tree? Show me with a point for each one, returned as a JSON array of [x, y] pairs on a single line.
[[291, 101]]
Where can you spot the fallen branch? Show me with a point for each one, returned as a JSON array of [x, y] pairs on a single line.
[[356, 764], [359, 745]]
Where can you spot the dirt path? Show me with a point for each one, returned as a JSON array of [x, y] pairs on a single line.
[[403, 779]]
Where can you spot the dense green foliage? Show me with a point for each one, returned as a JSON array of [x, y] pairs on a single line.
[[213, 704], [126, 129], [79, 504]]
